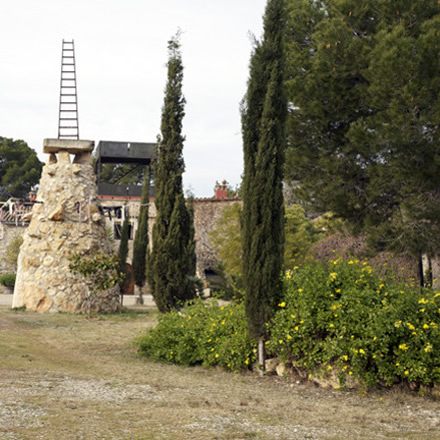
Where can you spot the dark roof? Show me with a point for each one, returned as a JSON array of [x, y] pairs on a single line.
[[125, 152]]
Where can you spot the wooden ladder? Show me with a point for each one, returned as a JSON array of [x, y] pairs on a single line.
[[68, 126]]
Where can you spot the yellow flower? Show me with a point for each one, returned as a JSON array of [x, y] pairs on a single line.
[[403, 347], [246, 361], [410, 326], [331, 325], [345, 357], [329, 367], [351, 262], [333, 276], [217, 355], [361, 351], [421, 310], [282, 304], [423, 301], [289, 337], [300, 290], [350, 373], [428, 348], [406, 372], [425, 326], [280, 341]]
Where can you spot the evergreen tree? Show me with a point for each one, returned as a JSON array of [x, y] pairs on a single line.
[[363, 131], [263, 124], [20, 168], [171, 267], [140, 244], [123, 252]]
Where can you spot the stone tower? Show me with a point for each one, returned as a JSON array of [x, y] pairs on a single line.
[[66, 219]]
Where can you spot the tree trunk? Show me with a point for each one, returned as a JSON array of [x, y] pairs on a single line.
[[421, 279], [261, 356]]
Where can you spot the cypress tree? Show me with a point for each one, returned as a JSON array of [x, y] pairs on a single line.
[[263, 124], [123, 251], [140, 243], [171, 265]]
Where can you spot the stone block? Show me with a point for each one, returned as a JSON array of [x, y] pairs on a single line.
[[72, 146]]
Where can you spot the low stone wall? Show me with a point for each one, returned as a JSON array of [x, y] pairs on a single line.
[[8, 232]]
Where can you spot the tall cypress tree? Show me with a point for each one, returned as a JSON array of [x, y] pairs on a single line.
[[140, 243], [123, 251], [263, 123], [171, 263]]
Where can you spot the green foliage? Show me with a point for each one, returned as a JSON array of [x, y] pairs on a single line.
[[8, 279], [345, 317], [363, 136], [264, 114], [201, 334], [121, 173], [12, 251], [226, 238], [140, 244], [100, 271], [20, 168], [123, 250], [300, 235], [171, 264]]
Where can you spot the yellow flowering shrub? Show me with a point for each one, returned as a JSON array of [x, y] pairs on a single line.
[[373, 328], [201, 334]]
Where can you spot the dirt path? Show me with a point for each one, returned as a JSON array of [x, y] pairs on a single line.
[[65, 377]]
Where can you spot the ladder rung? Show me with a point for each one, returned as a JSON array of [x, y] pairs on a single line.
[[68, 87], [68, 94], [70, 111], [68, 119]]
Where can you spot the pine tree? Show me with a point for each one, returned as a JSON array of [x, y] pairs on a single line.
[[171, 266], [140, 244], [263, 123], [363, 131]]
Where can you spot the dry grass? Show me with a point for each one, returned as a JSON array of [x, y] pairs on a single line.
[[66, 377]]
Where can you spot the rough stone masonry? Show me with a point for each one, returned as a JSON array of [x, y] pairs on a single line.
[[65, 220]]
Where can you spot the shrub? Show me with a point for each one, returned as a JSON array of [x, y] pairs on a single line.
[[99, 270], [201, 334], [8, 279], [344, 316]]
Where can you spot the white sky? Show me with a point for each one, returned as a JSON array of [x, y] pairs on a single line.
[[121, 55]]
